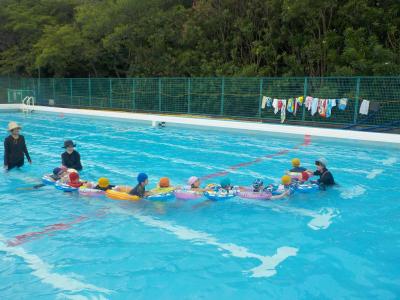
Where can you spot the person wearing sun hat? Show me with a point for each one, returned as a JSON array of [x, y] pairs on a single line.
[[71, 158], [325, 176], [15, 148]]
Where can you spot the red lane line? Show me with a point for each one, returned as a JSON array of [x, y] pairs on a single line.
[[306, 142], [34, 235]]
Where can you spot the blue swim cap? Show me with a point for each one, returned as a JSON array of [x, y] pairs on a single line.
[[225, 182], [56, 171], [257, 183], [142, 177]]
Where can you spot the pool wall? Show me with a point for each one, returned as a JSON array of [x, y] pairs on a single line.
[[154, 119]]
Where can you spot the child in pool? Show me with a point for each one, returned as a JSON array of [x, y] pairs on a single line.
[[140, 189], [104, 184], [74, 180], [296, 166], [59, 173], [194, 184]]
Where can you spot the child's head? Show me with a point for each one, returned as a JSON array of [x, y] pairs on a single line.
[[225, 183], [286, 180], [296, 162], [103, 182], [143, 179], [258, 185], [69, 146], [74, 177], [164, 182], [194, 182], [57, 171], [304, 176], [321, 164]]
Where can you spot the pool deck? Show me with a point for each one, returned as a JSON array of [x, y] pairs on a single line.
[[226, 124]]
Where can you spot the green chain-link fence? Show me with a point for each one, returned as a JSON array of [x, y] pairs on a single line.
[[219, 96]]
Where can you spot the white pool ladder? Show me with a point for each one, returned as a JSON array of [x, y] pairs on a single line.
[[28, 104]]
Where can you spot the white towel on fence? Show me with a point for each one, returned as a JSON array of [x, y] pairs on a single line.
[[275, 105], [264, 102], [364, 107], [283, 111], [314, 106]]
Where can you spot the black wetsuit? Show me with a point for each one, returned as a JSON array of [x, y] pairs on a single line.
[[14, 151], [298, 169], [325, 178], [138, 190], [109, 187], [72, 160]]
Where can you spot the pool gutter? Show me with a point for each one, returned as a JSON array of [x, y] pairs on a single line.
[[227, 124]]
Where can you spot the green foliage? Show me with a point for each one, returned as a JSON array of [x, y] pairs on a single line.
[[124, 38]]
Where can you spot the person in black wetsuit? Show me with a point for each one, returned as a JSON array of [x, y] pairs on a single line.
[[71, 158], [15, 148], [325, 176]]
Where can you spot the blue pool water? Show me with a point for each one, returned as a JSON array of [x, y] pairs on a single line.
[[339, 244]]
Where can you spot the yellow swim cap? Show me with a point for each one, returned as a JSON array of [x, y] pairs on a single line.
[[286, 179], [103, 182], [296, 162]]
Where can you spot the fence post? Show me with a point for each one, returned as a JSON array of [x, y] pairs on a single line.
[[260, 98], [189, 84], [159, 94], [303, 117], [70, 90], [357, 100], [222, 96], [110, 90], [90, 90], [54, 90], [133, 95]]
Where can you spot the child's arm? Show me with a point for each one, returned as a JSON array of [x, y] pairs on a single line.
[[283, 195]]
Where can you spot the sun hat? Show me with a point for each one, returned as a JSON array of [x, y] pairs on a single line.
[[305, 175], [286, 179], [69, 143], [103, 182], [321, 161], [13, 125], [192, 180], [296, 162], [164, 182], [225, 182], [142, 177], [74, 177], [257, 183]]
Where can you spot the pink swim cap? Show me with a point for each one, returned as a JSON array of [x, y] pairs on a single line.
[[192, 180]]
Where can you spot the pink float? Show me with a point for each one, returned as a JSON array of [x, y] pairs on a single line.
[[91, 192], [187, 195], [247, 193]]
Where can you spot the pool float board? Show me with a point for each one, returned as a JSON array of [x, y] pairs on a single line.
[[112, 194]]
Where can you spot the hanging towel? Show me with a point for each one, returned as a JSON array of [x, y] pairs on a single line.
[[269, 102], [308, 103], [296, 103], [275, 105], [364, 107], [300, 100], [280, 103], [342, 103], [263, 102], [331, 104], [283, 110], [322, 107], [314, 106], [290, 105]]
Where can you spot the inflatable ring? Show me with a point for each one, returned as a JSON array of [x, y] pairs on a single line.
[[161, 197], [89, 192], [64, 187], [248, 193], [162, 190], [112, 194], [295, 175], [278, 190], [307, 188], [48, 180], [218, 196], [187, 195]]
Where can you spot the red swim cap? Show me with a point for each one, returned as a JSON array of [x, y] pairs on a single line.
[[74, 177]]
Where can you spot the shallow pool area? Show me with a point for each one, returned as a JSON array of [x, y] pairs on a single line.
[[336, 244]]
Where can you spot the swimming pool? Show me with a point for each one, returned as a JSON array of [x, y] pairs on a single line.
[[342, 243]]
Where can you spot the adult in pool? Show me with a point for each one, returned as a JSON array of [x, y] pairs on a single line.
[[325, 176], [71, 158], [15, 148]]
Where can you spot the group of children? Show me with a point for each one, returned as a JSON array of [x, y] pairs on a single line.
[[71, 164]]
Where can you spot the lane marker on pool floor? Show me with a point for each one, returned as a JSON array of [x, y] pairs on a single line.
[[306, 142], [267, 267], [44, 271]]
